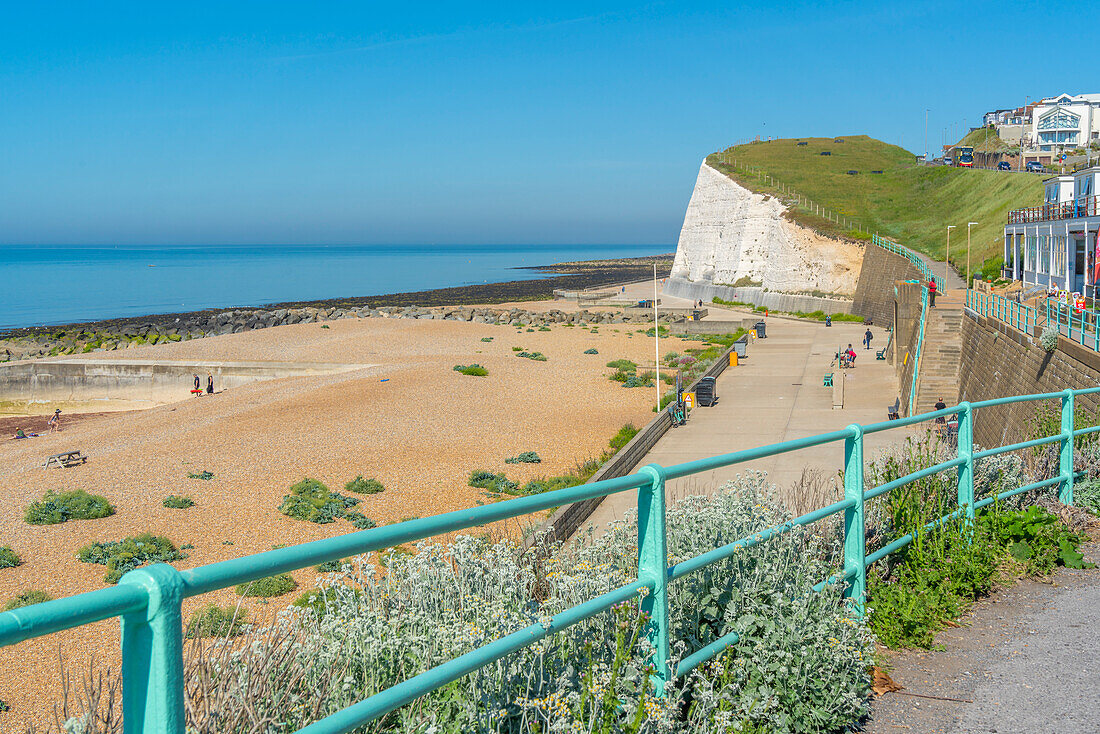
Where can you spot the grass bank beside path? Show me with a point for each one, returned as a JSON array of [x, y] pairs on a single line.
[[908, 203]]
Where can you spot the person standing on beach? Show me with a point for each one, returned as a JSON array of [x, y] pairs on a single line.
[[55, 421], [197, 382], [209, 383], [867, 339]]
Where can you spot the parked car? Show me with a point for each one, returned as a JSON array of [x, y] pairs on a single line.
[[948, 161], [1034, 167], [1004, 166]]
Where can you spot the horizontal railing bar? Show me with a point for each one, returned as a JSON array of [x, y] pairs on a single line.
[[385, 701], [1086, 431], [900, 481], [888, 549], [705, 653], [683, 568], [1018, 446], [909, 421], [836, 578], [72, 611], [1016, 399], [240, 570], [717, 462], [1029, 487]]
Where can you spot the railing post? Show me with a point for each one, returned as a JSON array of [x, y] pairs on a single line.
[[966, 471], [855, 546], [1065, 456], [152, 654], [653, 569]]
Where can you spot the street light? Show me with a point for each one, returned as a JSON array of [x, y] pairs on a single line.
[[947, 258], [969, 279]]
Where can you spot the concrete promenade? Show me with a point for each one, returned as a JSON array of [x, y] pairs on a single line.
[[774, 395]]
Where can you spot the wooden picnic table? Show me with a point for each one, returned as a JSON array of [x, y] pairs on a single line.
[[65, 459]]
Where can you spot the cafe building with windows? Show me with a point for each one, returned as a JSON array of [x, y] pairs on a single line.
[[1055, 245]]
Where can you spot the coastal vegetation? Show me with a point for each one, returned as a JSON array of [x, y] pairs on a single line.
[[25, 599], [178, 502], [312, 501], [473, 370], [527, 457], [216, 622], [268, 586], [8, 557], [359, 485], [120, 556], [55, 508], [535, 356], [891, 194], [204, 475]]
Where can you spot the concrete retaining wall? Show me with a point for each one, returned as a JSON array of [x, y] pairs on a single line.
[[138, 381], [683, 288], [904, 343], [874, 298], [567, 520], [999, 361]]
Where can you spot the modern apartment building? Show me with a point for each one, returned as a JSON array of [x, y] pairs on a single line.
[[1055, 245]]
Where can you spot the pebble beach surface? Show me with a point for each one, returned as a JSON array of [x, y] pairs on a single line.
[[420, 432]]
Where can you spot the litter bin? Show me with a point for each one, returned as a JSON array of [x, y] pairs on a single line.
[[740, 347], [696, 315], [760, 327], [705, 393]]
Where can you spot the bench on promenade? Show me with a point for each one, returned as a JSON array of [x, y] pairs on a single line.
[[828, 380], [64, 459], [893, 412], [881, 354]]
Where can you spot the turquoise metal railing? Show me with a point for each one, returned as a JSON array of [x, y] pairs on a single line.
[[148, 600], [918, 350], [922, 268], [1017, 315], [1077, 326]]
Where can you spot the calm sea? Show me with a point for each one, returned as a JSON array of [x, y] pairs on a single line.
[[59, 284]]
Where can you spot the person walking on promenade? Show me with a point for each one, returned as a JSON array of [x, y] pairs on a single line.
[[867, 339], [932, 292], [209, 383], [197, 382], [940, 405]]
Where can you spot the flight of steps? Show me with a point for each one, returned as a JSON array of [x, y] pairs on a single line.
[[942, 352]]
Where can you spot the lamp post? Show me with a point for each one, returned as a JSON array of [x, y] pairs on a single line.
[[926, 137], [947, 257], [969, 279]]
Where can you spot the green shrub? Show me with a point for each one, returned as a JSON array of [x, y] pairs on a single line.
[[486, 338], [364, 486], [120, 556], [214, 621], [527, 457], [623, 365], [206, 476], [1048, 340], [620, 376], [483, 479], [592, 351], [178, 502], [56, 508], [8, 557], [1037, 539], [269, 586], [643, 380], [473, 370], [359, 520], [549, 484], [517, 349], [622, 438], [536, 356], [34, 596], [1087, 494], [312, 501], [329, 566]]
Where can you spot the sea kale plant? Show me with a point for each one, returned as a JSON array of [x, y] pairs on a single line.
[[800, 664]]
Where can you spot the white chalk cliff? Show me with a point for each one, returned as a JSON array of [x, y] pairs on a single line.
[[731, 234]]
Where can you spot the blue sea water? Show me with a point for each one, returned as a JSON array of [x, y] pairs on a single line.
[[57, 284]]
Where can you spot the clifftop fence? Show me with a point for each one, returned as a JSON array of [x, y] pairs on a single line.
[[149, 599]]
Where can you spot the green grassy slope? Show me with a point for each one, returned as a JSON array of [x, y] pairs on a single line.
[[907, 203]]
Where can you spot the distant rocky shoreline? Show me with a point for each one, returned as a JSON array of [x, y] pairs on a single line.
[[450, 304]]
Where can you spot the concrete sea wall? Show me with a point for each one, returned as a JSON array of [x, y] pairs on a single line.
[[874, 297], [141, 382]]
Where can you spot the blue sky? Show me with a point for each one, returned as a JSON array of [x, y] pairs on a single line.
[[256, 122]]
